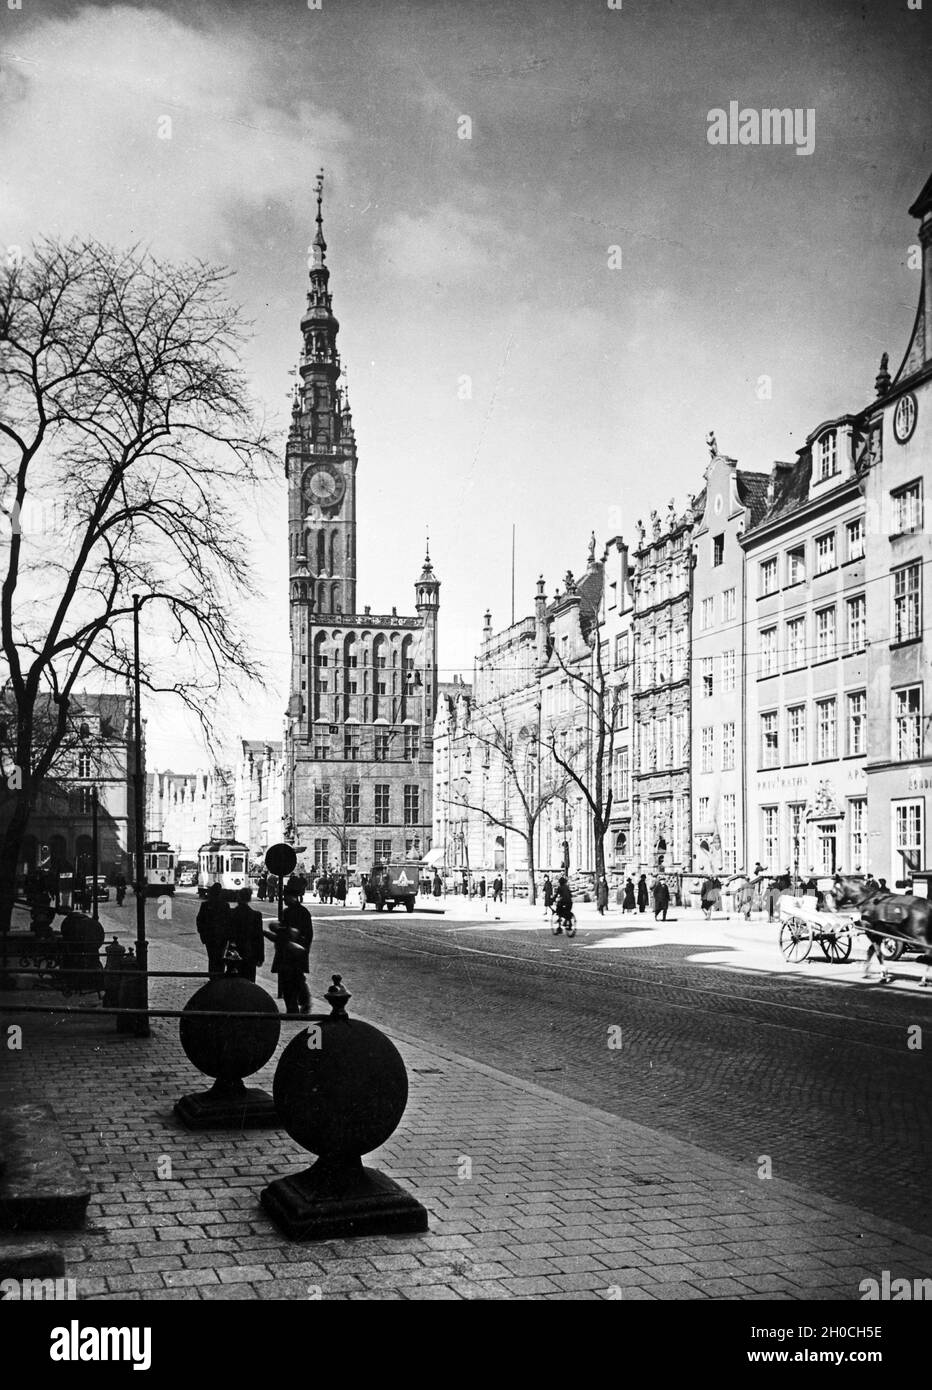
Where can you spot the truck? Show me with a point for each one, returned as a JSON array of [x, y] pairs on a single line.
[[388, 884]]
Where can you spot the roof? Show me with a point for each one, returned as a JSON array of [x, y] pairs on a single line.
[[790, 489], [752, 490], [923, 203]]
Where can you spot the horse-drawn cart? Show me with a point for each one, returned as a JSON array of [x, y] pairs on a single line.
[[802, 924]]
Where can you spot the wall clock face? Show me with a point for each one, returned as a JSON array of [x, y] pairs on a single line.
[[324, 485], [904, 417]]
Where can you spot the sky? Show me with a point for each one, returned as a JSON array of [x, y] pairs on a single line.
[[550, 284]]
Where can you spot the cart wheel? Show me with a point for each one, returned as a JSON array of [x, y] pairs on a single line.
[[891, 949], [836, 945], [571, 924], [795, 939]]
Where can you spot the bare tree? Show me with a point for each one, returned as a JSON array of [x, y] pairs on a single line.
[[526, 796], [128, 447], [583, 752]]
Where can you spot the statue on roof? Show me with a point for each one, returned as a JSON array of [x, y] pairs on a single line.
[[592, 549], [639, 527], [713, 445], [570, 582], [655, 522]]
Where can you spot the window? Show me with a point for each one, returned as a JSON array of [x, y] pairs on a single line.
[[351, 745], [826, 743], [622, 787], [413, 847], [857, 833], [382, 790], [907, 508], [796, 826], [907, 723], [854, 533], [322, 804], [827, 457], [702, 810], [769, 740], [85, 765], [728, 670], [708, 749], [857, 723], [351, 803], [412, 743], [906, 617], [770, 834], [81, 801], [796, 734], [381, 745], [825, 552], [795, 643], [729, 832], [412, 805], [663, 664], [768, 576], [321, 854], [706, 614], [381, 686], [679, 654], [908, 832], [728, 747], [707, 676], [718, 549], [624, 707], [613, 595], [796, 565], [728, 605], [768, 651], [321, 746], [679, 739], [856, 617], [382, 851], [352, 853], [621, 649], [825, 633]]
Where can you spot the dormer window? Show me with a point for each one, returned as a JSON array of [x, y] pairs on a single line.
[[828, 456]]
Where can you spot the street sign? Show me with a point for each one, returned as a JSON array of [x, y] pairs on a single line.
[[280, 860]]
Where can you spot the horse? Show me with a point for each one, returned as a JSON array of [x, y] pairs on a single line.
[[885, 914]]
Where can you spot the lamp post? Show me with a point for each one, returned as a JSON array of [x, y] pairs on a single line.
[[141, 1028], [95, 853]]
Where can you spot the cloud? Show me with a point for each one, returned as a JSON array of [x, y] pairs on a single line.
[[130, 125], [446, 243]]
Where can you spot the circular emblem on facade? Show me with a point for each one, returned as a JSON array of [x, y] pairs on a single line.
[[324, 485], [904, 417], [719, 504]]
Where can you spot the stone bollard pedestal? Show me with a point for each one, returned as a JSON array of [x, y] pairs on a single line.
[[340, 1089], [229, 1049]]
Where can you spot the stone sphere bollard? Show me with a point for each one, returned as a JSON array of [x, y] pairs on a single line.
[[340, 1090], [229, 1049]]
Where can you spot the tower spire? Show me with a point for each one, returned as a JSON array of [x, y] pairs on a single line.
[[319, 245]]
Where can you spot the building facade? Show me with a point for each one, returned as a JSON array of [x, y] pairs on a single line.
[[662, 584], [258, 794], [178, 810], [359, 724], [733, 502]]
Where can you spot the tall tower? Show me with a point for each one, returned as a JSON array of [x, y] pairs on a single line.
[[320, 461]]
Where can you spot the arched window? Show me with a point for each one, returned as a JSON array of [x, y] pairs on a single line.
[[321, 553]]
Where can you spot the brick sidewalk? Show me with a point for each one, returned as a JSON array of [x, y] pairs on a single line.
[[530, 1195]]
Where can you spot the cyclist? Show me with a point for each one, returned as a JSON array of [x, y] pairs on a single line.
[[563, 906]]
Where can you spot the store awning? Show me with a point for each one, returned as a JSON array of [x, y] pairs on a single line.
[[434, 858]]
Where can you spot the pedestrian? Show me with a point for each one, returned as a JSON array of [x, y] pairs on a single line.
[[563, 905], [271, 888], [643, 895], [120, 889], [548, 893], [601, 895], [292, 937], [437, 885], [870, 884], [497, 887], [661, 899], [213, 925], [245, 934], [482, 888], [262, 887], [707, 897], [341, 890]]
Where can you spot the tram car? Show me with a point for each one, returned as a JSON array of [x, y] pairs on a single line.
[[159, 860], [224, 862]]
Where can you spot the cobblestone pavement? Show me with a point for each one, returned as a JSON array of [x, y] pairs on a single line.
[[532, 1194]]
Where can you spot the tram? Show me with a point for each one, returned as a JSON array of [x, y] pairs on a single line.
[[224, 862], [159, 861]]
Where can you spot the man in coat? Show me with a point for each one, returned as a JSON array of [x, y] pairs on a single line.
[[292, 937], [601, 895], [245, 934], [643, 895], [213, 924], [661, 899]]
